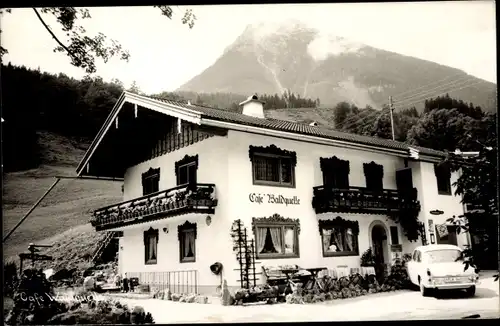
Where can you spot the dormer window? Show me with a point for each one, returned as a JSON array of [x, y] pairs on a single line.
[[186, 170], [443, 176], [150, 181], [272, 166]]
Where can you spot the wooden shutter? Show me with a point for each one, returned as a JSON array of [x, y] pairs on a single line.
[[404, 179]]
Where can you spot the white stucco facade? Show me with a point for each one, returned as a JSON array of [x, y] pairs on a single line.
[[224, 161]]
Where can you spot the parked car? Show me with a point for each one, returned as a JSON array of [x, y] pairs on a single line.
[[440, 267]]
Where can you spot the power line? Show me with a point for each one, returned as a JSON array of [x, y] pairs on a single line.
[[435, 82], [452, 90], [411, 97], [450, 84], [379, 113]]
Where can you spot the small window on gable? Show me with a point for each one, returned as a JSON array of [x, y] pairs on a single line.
[[186, 170], [187, 242], [150, 181], [339, 237], [443, 179], [276, 237], [273, 166], [151, 246], [335, 172], [374, 175]]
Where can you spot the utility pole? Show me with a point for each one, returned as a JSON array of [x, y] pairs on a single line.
[[392, 119]]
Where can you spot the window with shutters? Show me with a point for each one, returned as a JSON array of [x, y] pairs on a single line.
[[186, 170], [335, 172], [374, 175], [273, 166], [150, 181], [443, 176], [150, 246]]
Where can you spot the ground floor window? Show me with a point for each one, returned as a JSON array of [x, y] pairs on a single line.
[[150, 246], [276, 237], [339, 237], [187, 242]]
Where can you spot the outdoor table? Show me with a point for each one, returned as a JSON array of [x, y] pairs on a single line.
[[289, 283], [313, 280]]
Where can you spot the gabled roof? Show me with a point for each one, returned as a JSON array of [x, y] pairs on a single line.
[[203, 115]]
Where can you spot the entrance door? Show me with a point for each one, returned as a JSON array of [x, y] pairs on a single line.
[[379, 245]]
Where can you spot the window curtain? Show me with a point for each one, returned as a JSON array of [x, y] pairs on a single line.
[[277, 241], [337, 236], [152, 248], [289, 240], [261, 236], [327, 236], [349, 240], [188, 244]]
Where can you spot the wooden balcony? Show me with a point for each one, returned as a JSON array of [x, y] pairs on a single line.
[[199, 198], [362, 200]]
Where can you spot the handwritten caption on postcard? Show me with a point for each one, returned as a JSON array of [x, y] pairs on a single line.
[[273, 199], [38, 298]]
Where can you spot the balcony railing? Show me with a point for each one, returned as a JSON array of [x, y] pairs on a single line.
[[198, 198], [362, 200]]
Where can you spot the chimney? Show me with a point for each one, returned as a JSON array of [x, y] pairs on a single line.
[[253, 107]]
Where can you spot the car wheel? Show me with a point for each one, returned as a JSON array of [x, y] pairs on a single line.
[[424, 291], [471, 291]]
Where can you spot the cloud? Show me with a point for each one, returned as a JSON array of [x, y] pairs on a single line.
[[325, 45]]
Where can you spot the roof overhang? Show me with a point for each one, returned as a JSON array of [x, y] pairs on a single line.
[[197, 118], [155, 105], [318, 140]]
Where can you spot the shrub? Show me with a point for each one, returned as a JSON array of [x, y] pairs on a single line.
[[367, 258], [34, 304], [10, 279]]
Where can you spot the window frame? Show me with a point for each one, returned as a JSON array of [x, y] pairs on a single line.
[[339, 222], [150, 178], [337, 169], [185, 162], [277, 221], [273, 152], [181, 233], [443, 178], [150, 233]]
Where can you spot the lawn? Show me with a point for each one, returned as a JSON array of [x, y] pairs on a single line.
[[62, 217]]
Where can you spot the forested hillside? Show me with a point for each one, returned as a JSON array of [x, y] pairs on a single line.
[[33, 100], [37, 101]]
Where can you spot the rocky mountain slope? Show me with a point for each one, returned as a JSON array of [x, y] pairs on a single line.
[[269, 58]]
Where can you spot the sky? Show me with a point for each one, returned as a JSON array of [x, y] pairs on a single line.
[[165, 53]]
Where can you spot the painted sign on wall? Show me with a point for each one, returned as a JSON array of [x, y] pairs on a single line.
[[273, 199]]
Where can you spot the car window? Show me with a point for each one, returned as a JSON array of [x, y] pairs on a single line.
[[414, 255], [443, 256], [419, 256]]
